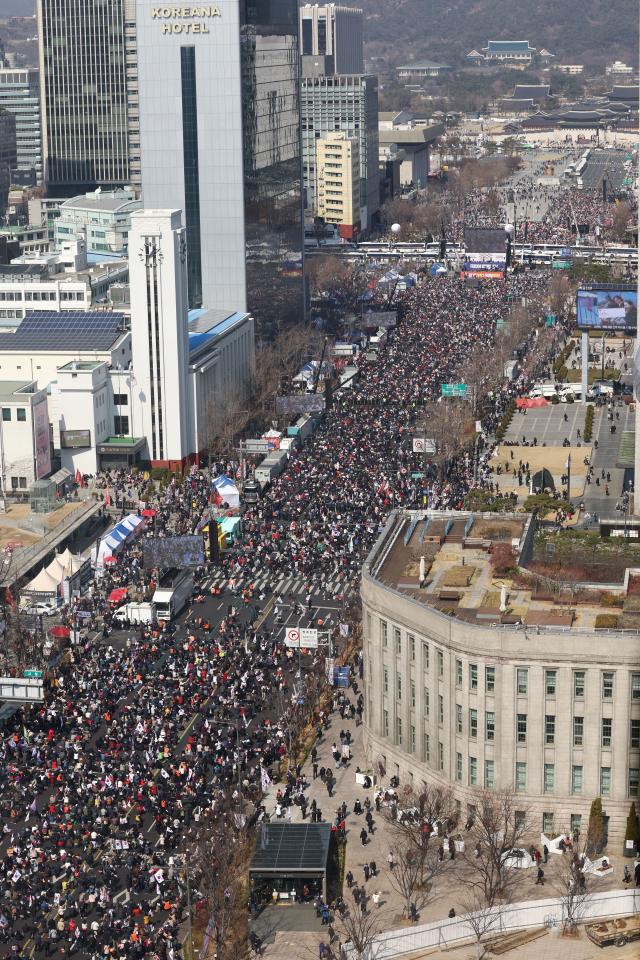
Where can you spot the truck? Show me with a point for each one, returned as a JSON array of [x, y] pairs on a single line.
[[135, 613], [174, 589], [270, 468]]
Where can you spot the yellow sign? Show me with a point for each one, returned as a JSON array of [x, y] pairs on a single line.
[[195, 18]]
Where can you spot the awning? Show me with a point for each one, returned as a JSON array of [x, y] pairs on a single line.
[[117, 595], [291, 849]]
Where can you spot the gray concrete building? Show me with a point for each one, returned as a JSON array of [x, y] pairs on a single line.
[[8, 154], [531, 697], [20, 95], [348, 104], [331, 38]]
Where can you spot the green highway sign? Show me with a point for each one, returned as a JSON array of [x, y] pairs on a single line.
[[33, 674], [561, 264], [417, 476], [453, 389]]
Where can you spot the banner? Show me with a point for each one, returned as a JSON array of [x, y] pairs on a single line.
[[42, 446], [300, 403]]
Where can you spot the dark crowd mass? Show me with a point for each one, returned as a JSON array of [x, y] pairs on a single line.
[[141, 743]]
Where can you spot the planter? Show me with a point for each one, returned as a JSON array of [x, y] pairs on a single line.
[[629, 848]]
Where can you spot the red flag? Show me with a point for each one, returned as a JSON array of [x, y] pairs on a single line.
[[217, 499], [8, 596]]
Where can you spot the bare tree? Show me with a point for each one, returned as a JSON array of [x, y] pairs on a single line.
[[483, 918], [417, 829], [574, 888], [357, 929], [413, 876], [498, 827]]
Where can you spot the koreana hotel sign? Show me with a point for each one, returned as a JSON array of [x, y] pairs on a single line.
[[185, 19]]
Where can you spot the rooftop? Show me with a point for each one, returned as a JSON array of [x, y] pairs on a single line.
[[424, 65], [9, 387], [417, 136], [291, 848], [509, 46], [470, 558], [206, 325], [47, 330]]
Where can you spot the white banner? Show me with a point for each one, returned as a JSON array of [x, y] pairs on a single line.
[[301, 637], [423, 445]]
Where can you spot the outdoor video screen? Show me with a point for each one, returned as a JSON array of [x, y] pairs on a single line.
[[607, 310], [165, 552], [484, 240]]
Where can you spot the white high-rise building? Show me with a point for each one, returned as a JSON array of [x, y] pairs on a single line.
[[159, 333]]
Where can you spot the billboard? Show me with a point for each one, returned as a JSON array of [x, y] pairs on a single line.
[[607, 310], [485, 244], [299, 403], [40, 412], [75, 439], [165, 552]]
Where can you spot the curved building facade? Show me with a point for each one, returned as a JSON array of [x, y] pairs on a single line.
[[458, 693]]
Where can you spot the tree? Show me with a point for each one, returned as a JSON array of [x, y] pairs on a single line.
[[574, 888], [497, 827], [596, 833], [413, 875], [429, 805], [621, 215], [483, 918], [632, 831], [357, 929]]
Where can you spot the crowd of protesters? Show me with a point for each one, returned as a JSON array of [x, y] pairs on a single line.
[[138, 745]]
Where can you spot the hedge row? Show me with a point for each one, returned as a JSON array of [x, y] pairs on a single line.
[[505, 420], [587, 433]]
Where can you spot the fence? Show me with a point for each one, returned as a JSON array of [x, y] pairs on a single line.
[[517, 916]]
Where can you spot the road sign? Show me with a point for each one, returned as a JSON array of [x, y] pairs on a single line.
[[33, 674], [301, 638], [25, 691], [453, 389], [424, 445]]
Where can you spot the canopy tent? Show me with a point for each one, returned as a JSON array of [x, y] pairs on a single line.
[[528, 403], [43, 584], [112, 542], [57, 569], [226, 490], [438, 269], [231, 527]]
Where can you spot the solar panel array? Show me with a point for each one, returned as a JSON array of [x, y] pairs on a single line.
[[70, 330]]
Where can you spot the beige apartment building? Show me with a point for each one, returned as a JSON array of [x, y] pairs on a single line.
[[462, 693], [338, 182]]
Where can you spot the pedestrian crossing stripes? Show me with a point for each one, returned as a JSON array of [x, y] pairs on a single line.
[[284, 587]]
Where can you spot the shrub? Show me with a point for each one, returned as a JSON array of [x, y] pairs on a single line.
[[505, 420], [587, 433], [503, 558], [633, 831], [611, 600], [596, 838], [606, 621], [545, 503]]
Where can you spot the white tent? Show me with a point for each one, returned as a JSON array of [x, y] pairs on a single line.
[[227, 490], [517, 857], [57, 569], [123, 531], [43, 583]]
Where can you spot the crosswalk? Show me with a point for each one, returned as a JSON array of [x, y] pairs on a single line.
[[285, 587]]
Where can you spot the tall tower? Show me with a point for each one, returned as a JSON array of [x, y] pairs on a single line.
[[83, 94], [220, 140], [332, 35], [160, 349]]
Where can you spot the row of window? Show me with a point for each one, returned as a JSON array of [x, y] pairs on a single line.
[[522, 673], [21, 414]]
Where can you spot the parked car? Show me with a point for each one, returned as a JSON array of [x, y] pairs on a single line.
[[44, 608]]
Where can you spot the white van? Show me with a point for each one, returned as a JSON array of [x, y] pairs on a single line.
[[570, 390]]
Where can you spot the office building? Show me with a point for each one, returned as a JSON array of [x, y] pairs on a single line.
[[101, 218], [83, 94], [219, 140], [473, 690], [25, 450], [20, 95], [348, 104], [414, 145], [331, 39], [8, 154], [338, 183]]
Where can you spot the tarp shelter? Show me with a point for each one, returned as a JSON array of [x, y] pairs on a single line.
[[288, 856], [527, 403], [112, 542], [226, 490], [118, 595], [231, 527], [43, 584], [438, 269]]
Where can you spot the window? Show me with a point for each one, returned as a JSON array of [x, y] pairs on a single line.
[[490, 725], [488, 774], [576, 779], [14, 483], [521, 777], [547, 824], [473, 724], [635, 677], [385, 723], [549, 729], [397, 639], [607, 685], [549, 777], [458, 673], [427, 703], [473, 771], [6, 414], [578, 684], [21, 415], [521, 728], [440, 709], [385, 679], [522, 680], [550, 678], [412, 745], [576, 823], [490, 679], [412, 648], [578, 731], [634, 735], [398, 687], [120, 425], [426, 748], [458, 718], [459, 767], [440, 756], [473, 676], [383, 633], [634, 777], [412, 688], [425, 656], [399, 730], [607, 724], [120, 399], [605, 781], [440, 663]]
